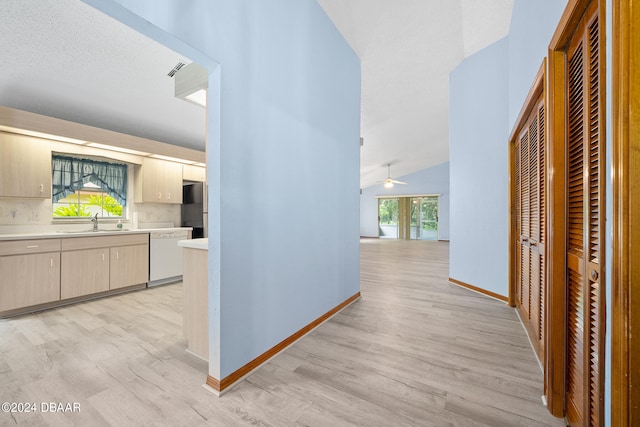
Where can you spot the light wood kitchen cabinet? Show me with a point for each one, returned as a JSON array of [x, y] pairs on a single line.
[[194, 173], [39, 273], [158, 181], [84, 272], [196, 300], [25, 166], [101, 263], [129, 265], [28, 280]]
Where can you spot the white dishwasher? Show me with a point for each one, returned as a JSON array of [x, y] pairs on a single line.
[[165, 256]]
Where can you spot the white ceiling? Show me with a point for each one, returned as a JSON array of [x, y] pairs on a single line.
[[67, 60]]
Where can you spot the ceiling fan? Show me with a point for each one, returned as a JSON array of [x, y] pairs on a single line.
[[388, 183]]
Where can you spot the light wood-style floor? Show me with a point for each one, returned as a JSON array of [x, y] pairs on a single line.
[[415, 350]]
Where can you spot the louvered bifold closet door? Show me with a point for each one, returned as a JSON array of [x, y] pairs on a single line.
[[525, 221], [530, 222], [585, 188]]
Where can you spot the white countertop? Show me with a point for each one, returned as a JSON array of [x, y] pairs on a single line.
[[63, 234], [202, 244]]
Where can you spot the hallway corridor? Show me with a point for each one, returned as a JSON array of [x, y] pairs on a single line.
[[415, 350]]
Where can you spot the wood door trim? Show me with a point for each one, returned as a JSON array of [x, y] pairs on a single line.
[[556, 247], [556, 179], [537, 88], [625, 279]]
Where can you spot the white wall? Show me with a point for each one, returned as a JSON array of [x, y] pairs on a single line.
[[284, 152], [433, 180]]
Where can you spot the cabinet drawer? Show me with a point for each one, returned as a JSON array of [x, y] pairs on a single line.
[[17, 247], [79, 243]]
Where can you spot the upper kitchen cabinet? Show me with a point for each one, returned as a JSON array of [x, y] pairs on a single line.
[[25, 166], [194, 173], [158, 181]]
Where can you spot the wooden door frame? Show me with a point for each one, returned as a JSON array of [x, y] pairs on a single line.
[[556, 182], [625, 275], [538, 87]]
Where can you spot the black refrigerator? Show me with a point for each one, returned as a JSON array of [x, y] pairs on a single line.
[[194, 208]]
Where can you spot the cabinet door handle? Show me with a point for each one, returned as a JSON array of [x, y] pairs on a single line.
[[42, 188], [168, 196], [159, 195], [32, 246], [103, 256], [52, 262], [117, 254]]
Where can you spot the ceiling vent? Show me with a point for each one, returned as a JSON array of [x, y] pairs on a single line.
[[175, 69]]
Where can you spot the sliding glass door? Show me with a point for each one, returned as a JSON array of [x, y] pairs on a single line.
[[426, 227], [414, 218], [388, 218]]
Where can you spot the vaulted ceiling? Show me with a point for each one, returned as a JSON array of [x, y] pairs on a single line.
[[67, 60], [407, 49]]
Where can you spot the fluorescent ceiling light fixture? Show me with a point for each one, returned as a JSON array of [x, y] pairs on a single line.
[[199, 97], [200, 164], [42, 135], [191, 83], [172, 159], [118, 149]]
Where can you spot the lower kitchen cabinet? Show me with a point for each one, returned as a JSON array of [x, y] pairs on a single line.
[[35, 272], [84, 272], [28, 280], [129, 266]]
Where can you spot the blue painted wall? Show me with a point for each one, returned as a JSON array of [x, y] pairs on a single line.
[[283, 156], [532, 26], [433, 180], [609, 215], [487, 92], [480, 170]]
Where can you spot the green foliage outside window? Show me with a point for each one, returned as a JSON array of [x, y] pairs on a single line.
[[85, 204], [388, 211], [107, 203], [73, 209]]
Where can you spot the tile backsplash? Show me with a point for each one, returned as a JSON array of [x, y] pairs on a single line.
[[25, 211], [35, 215]]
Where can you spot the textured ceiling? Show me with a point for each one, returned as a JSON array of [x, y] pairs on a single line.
[[407, 50], [64, 59]]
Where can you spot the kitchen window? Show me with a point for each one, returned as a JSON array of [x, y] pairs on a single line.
[[85, 187]]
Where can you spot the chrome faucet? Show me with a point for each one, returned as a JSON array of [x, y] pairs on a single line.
[[94, 220]]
